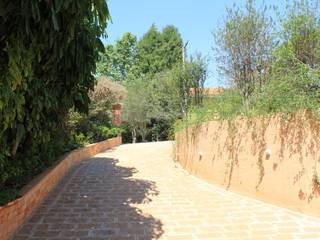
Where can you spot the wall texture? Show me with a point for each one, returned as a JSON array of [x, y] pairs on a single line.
[[273, 158], [14, 213]]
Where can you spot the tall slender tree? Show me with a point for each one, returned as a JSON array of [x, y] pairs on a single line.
[[244, 46]]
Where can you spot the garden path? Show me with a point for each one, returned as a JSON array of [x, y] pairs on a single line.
[[136, 191]]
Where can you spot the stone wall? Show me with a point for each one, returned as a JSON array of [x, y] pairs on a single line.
[[273, 158], [14, 213]]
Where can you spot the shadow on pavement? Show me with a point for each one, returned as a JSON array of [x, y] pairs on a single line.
[[93, 201]]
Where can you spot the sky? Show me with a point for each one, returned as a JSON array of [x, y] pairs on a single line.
[[195, 20]]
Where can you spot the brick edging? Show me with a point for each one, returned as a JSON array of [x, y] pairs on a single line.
[[13, 214]]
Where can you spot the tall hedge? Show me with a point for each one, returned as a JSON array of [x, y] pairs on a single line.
[[48, 51]]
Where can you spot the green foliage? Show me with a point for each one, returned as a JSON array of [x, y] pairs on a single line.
[[301, 30], [86, 129], [8, 195], [244, 47], [159, 51], [294, 82], [96, 125], [106, 64], [118, 60], [159, 130], [106, 92], [138, 107], [48, 51], [292, 86], [226, 105], [129, 59], [151, 105], [92, 133], [291, 80], [181, 86], [196, 74]]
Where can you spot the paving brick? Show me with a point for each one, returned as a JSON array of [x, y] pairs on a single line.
[[136, 192]]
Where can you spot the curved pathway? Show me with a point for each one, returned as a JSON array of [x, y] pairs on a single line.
[[137, 192]]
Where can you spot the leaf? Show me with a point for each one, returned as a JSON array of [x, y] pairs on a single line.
[[100, 45], [54, 19], [35, 10], [58, 4], [20, 132]]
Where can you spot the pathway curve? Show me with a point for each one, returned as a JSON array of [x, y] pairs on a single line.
[[137, 192]]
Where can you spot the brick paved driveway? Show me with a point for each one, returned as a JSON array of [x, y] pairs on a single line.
[[137, 192]]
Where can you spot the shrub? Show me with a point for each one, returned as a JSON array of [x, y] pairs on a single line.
[[48, 54], [228, 104]]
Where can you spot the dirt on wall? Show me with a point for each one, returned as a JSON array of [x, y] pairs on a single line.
[[274, 158]]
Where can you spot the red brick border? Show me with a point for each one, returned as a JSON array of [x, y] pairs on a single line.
[[14, 213]]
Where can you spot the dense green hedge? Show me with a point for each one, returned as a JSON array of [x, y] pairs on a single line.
[[48, 51]]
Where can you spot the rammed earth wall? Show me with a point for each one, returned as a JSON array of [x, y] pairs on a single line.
[[273, 158], [14, 213]]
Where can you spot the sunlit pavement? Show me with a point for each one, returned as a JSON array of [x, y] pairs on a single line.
[[136, 191]]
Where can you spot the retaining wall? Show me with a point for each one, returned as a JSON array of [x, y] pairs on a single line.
[[14, 213], [273, 158]]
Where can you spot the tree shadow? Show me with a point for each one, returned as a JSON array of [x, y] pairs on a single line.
[[95, 201]]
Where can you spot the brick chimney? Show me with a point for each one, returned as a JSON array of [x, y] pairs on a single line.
[[116, 114]]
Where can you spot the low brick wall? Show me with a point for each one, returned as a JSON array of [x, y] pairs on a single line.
[[273, 158], [14, 213]]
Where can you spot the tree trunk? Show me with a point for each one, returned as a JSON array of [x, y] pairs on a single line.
[[134, 135]]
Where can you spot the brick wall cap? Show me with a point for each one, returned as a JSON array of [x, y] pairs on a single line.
[[11, 203]]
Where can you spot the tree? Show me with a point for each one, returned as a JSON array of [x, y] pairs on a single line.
[[142, 66], [106, 66], [48, 55], [244, 47], [159, 51], [294, 82], [149, 50], [128, 59], [301, 31], [171, 47], [184, 84], [118, 59], [105, 93], [126, 50], [197, 74], [181, 84], [138, 108], [149, 107], [96, 125]]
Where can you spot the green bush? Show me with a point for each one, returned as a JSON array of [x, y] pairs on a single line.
[[103, 132], [91, 128], [292, 85], [30, 162], [287, 90], [48, 54], [226, 105]]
